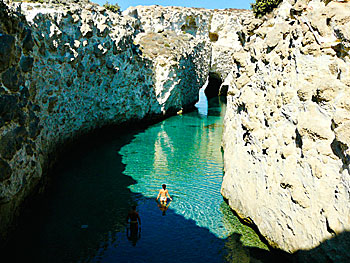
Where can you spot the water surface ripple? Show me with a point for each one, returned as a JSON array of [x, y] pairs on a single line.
[[82, 219], [184, 153]]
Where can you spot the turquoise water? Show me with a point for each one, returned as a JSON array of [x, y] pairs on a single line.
[[184, 153], [82, 219]]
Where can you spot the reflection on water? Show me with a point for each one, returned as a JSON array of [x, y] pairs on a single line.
[[83, 219], [184, 153]]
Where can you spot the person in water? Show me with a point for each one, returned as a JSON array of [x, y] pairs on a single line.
[[162, 194], [135, 220]]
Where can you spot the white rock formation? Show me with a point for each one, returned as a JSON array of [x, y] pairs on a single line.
[[69, 69], [286, 138], [216, 29], [286, 142]]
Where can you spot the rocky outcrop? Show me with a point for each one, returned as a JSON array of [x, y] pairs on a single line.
[[286, 143], [69, 69], [66, 70], [215, 28]]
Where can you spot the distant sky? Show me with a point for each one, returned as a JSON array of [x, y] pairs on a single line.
[[210, 4]]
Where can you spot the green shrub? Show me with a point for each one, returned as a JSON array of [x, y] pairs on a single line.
[[114, 8], [262, 7]]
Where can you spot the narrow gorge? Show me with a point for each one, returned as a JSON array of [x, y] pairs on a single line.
[[70, 68]]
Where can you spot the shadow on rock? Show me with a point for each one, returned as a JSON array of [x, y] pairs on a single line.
[[336, 249]]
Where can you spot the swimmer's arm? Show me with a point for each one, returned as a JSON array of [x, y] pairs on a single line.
[[169, 195], [158, 196]]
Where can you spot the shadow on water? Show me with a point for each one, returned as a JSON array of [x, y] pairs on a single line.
[[90, 197], [82, 218]]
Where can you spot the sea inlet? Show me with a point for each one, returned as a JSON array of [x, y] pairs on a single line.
[[83, 215]]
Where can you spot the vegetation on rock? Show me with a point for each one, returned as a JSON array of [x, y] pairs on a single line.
[[114, 8], [262, 7]]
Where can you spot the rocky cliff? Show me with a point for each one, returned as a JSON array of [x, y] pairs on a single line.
[[286, 138], [216, 28], [67, 69]]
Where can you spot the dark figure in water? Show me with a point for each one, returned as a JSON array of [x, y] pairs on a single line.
[[133, 232]]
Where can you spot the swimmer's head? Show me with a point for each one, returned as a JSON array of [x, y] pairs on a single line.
[[164, 186]]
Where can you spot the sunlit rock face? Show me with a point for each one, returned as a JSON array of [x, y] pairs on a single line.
[[216, 29], [67, 69], [286, 138]]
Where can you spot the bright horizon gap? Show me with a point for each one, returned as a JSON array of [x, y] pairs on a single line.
[[219, 4]]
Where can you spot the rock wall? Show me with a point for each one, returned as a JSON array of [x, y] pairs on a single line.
[[286, 139], [216, 28], [69, 69]]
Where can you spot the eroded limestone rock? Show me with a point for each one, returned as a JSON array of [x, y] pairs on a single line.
[[285, 140], [67, 69]]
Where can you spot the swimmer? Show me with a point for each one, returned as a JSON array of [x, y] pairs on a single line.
[[135, 220], [162, 194]]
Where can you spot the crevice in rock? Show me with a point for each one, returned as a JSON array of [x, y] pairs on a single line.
[[238, 65], [291, 229], [286, 185], [333, 125], [266, 123], [246, 135], [317, 98], [339, 149], [213, 88], [241, 37], [256, 68], [265, 61], [297, 202], [339, 75], [269, 49], [253, 59], [329, 229], [298, 139], [290, 43], [336, 193], [241, 107]]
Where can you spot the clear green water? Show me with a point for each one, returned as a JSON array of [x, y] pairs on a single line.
[[184, 152], [82, 219]]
